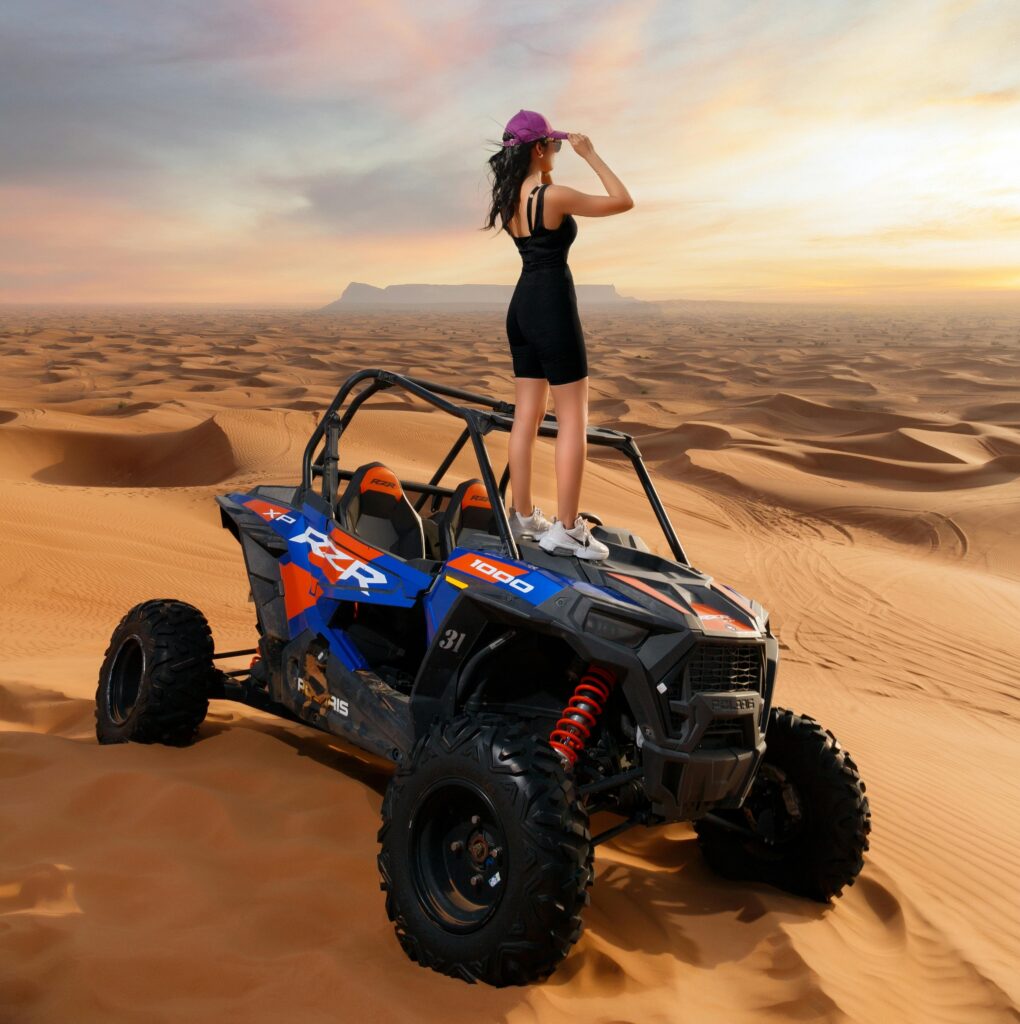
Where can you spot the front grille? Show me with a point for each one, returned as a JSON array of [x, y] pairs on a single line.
[[723, 666], [720, 667]]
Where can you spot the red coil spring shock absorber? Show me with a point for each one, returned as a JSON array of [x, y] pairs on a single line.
[[581, 713]]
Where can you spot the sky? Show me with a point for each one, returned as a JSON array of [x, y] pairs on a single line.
[[269, 152]]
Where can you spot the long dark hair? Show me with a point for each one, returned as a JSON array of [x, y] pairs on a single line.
[[508, 167]]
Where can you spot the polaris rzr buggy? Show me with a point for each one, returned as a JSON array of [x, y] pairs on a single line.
[[516, 691]]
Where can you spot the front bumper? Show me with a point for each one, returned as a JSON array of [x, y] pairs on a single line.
[[704, 750]]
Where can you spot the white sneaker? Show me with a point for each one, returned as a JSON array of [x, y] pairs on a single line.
[[577, 541], [536, 524]]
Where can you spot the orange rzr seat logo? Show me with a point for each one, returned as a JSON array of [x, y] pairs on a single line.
[[476, 495], [381, 480]]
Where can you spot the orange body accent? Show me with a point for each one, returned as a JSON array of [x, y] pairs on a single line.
[[300, 588], [712, 618], [706, 611], [464, 564], [268, 510], [353, 546], [652, 592]]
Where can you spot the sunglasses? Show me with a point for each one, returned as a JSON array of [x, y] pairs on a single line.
[[557, 144]]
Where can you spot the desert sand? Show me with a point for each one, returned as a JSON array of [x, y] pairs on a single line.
[[855, 470]]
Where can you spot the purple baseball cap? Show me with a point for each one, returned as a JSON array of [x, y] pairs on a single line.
[[530, 126]]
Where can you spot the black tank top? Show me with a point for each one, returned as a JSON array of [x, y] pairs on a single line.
[[544, 248]]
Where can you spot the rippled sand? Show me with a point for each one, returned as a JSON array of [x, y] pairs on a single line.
[[857, 471]]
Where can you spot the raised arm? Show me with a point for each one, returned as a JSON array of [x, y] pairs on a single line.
[[561, 199]]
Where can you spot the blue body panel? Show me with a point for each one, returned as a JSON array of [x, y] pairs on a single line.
[[325, 565]]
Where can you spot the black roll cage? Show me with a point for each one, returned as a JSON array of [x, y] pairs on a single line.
[[477, 423]]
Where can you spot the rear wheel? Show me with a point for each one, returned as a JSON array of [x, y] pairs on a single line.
[[485, 853], [156, 675], [805, 823]]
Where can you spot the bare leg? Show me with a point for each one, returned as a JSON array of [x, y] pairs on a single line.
[[532, 393], [570, 402]]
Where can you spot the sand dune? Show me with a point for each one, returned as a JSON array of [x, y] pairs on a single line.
[[855, 471], [83, 457]]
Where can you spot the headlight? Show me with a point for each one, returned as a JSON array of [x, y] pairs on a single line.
[[609, 627]]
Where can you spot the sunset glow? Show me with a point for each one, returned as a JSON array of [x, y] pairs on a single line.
[[271, 152]]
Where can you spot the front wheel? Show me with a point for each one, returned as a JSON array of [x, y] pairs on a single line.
[[485, 853], [805, 823]]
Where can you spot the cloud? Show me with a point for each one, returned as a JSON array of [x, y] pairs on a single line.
[[304, 142], [397, 200]]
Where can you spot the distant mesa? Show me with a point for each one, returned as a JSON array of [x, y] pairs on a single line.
[[358, 295]]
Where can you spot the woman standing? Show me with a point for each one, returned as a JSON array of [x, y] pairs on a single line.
[[543, 328]]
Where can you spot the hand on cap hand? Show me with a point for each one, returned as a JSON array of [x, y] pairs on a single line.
[[581, 143]]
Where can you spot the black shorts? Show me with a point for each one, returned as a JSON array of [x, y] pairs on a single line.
[[543, 328]]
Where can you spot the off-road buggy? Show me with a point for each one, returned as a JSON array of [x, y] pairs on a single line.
[[516, 692]]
